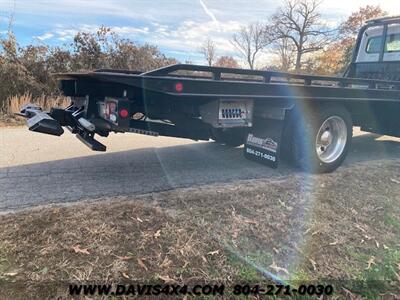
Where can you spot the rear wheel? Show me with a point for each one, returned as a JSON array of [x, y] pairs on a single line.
[[321, 142], [229, 137]]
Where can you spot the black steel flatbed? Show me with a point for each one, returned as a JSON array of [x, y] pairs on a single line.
[[239, 83]]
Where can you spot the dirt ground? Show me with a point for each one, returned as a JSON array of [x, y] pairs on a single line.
[[342, 228]]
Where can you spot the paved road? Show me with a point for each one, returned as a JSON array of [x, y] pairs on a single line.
[[38, 169]]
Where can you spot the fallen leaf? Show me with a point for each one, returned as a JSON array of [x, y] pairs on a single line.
[[394, 180], [397, 275], [125, 275], [385, 247], [313, 264], [157, 234], [251, 222], [213, 252], [167, 279], [78, 249], [124, 257], [359, 227], [348, 293], [370, 262], [278, 269], [166, 263], [141, 263], [368, 237]]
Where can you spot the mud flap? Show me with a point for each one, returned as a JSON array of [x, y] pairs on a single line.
[[263, 143]]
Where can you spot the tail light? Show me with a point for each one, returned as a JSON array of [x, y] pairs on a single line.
[[115, 110], [123, 113], [108, 110], [179, 87]]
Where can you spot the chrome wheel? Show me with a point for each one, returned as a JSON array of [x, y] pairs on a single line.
[[331, 139]]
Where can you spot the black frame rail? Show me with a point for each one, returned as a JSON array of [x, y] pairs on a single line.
[[269, 77]]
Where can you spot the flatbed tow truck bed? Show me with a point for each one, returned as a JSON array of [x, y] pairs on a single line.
[[306, 118]]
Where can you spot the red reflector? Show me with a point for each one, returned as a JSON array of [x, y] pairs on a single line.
[[179, 87], [123, 113]]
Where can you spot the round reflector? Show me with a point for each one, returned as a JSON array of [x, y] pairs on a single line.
[[123, 113], [179, 87]]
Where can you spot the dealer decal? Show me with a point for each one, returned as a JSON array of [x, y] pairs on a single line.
[[263, 142], [267, 143]]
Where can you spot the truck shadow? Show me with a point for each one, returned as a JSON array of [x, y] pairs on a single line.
[[152, 169]]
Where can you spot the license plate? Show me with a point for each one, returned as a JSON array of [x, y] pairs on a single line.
[[235, 112]]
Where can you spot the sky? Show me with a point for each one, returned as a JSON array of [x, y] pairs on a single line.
[[177, 27]]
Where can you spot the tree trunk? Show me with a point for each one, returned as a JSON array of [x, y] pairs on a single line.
[[250, 64], [299, 54], [298, 61]]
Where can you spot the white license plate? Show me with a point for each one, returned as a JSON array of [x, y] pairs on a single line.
[[235, 111]]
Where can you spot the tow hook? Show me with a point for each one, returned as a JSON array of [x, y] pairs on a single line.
[[40, 121]]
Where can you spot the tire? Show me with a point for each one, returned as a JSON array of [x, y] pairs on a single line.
[[229, 137], [321, 142]]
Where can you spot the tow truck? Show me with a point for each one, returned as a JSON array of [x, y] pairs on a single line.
[[305, 118]]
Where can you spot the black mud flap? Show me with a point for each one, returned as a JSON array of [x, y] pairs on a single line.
[[263, 143], [40, 121]]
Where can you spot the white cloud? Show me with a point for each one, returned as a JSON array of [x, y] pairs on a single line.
[[131, 31], [45, 36], [185, 37], [177, 27]]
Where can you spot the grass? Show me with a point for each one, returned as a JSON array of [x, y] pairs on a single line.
[[339, 228], [378, 277], [4, 266], [392, 221]]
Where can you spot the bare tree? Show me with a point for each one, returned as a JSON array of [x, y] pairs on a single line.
[[208, 50], [227, 62], [250, 40], [300, 22], [286, 51]]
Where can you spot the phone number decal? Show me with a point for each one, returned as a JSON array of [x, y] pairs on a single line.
[[260, 154], [276, 289]]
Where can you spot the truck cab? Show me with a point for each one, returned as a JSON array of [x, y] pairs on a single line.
[[377, 51]]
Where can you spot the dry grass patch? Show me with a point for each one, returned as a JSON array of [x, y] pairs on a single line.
[[13, 105], [108, 243], [343, 226]]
